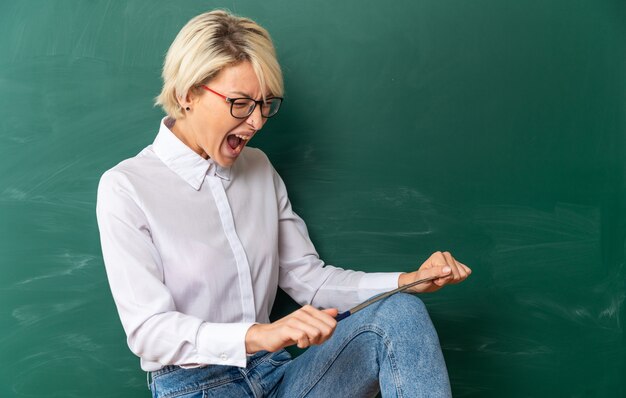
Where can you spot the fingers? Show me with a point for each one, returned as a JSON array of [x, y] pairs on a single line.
[[331, 311], [310, 326], [457, 273], [434, 267], [304, 327], [321, 322], [451, 262]]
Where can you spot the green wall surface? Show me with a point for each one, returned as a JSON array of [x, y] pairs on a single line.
[[494, 129]]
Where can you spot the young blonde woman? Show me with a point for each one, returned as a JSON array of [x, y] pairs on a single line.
[[198, 233]]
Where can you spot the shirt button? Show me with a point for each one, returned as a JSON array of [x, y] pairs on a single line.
[[223, 357]]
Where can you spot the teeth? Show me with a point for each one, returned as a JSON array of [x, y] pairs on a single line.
[[243, 137]]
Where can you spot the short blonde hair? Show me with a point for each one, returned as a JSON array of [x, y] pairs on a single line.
[[207, 44]]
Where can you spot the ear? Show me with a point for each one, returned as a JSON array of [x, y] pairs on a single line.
[[189, 100]]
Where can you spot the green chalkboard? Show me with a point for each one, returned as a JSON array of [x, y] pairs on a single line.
[[494, 129]]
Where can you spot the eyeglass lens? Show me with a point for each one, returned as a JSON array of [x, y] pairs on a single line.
[[243, 107]]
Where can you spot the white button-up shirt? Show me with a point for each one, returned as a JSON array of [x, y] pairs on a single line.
[[194, 253]]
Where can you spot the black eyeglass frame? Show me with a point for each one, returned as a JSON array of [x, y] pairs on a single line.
[[231, 101]]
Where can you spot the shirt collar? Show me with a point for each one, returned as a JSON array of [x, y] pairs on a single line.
[[182, 160]]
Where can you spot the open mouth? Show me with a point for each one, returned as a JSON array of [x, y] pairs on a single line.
[[236, 142]]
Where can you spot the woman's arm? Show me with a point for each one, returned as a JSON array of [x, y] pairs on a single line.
[[156, 331]]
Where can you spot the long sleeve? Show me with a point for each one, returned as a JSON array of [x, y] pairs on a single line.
[[156, 331], [305, 277]]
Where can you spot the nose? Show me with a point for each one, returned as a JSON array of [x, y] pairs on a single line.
[[255, 120]]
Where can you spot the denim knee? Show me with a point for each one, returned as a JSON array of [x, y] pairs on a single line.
[[400, 309], [403, 304]]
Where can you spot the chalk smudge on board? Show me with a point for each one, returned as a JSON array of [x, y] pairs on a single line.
[[28, 315], [13, 194], [578, 313], [71, 262], [495, 346]]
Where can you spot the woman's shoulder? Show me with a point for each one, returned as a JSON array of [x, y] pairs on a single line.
[[139, 166], [255, 158], [255, 154]]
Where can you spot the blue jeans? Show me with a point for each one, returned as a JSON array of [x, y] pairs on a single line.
[[389, 346]]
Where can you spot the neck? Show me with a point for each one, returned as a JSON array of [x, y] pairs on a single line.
[[183, 130]]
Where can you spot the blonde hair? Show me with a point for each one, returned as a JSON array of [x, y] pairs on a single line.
[[209, 43]]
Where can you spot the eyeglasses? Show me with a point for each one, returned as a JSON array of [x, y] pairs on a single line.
[[243, 107]]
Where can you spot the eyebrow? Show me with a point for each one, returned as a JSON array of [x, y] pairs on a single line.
[[241, 93], [249, 96]]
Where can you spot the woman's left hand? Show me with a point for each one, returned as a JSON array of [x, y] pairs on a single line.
[[441, 265]]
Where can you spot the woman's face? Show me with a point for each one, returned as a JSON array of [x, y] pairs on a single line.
[[209, 128]]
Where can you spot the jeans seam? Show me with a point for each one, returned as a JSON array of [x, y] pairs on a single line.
[[164, 370], [394, 367], [356, 333], [244, 374]]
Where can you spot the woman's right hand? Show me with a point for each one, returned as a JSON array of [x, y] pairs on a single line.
[[304, 327]]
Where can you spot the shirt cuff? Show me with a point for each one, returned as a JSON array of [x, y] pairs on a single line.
[[223, 343], [375, 283]]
